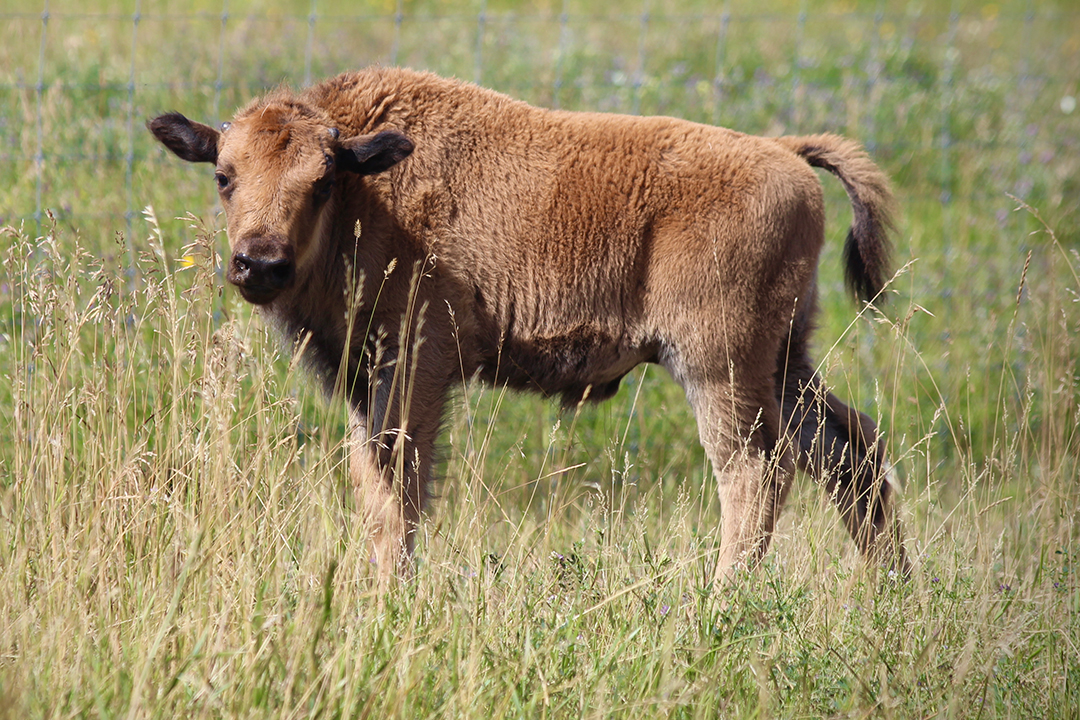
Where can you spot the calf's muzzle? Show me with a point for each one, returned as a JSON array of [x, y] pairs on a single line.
[[261, 270]]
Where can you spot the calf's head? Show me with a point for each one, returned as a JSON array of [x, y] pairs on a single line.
[[276, 166]]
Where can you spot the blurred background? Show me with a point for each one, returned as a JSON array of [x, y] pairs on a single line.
[[961, 102], [971, 107]]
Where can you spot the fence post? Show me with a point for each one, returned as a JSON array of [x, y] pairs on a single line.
[[946, 139], [39, 89], [873, 73], [721, 58], [564, 39], [395, 47], [478, 57], [129, 171], [639, 73], [794, 116], [310, 44], [219, 84]]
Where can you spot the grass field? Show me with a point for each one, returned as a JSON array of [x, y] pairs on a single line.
[[173, 536]]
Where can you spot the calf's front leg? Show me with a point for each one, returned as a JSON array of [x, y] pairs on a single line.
[[391, 453], [390, 503]]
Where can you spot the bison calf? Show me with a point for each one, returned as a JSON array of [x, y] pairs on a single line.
[[416, 232]]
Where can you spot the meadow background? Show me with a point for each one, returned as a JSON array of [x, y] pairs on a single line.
[[175, 535]]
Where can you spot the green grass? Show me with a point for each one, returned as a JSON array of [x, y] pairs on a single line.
[[173, 535]]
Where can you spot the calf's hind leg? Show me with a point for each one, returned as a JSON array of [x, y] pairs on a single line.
[[841, 449]]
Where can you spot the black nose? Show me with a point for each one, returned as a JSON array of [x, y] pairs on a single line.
[[260, 279], [275, 273]]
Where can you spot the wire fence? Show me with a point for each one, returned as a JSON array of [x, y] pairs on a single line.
[[969, 103]]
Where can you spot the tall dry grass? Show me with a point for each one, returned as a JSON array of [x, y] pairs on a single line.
[[177, 539]]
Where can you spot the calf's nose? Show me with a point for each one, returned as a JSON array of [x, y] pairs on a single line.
[[260, 279], [274, 273]]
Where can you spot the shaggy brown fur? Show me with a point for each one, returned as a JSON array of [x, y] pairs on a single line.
[[418, 232]]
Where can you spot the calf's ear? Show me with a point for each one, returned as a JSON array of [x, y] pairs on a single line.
[[190, 141], [372, 154]]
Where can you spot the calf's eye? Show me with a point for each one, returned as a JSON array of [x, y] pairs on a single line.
[[222, 180], [324, 187]]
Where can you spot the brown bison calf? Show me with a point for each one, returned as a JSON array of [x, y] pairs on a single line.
[[415, 232]]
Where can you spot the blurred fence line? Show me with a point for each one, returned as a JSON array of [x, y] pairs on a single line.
[[953, 100]]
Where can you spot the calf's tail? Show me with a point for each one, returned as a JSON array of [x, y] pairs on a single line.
[[867, 249]]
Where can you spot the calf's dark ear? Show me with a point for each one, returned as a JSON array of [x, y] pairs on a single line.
[[371, 154], [191, 141]]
